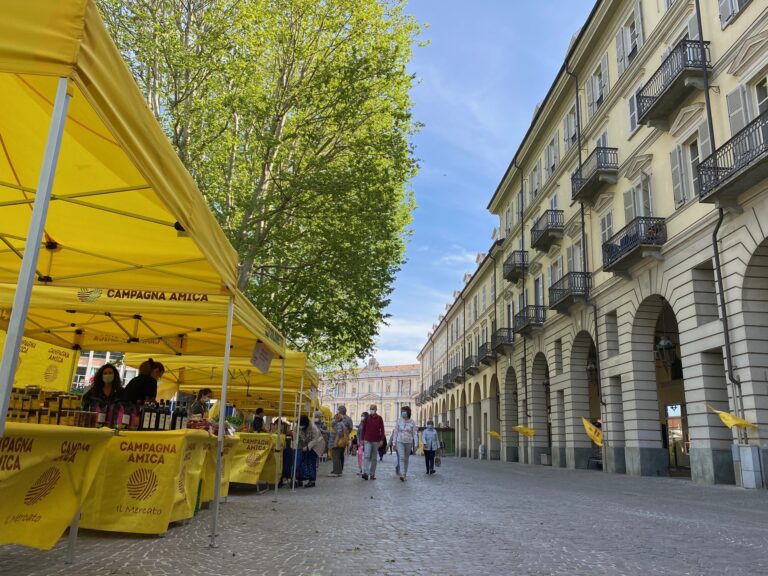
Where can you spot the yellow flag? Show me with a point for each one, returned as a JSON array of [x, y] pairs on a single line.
[[250, 457], [595, 433], [137, 485], [45, 474], [732, 420], [494, 434], [525, 431]]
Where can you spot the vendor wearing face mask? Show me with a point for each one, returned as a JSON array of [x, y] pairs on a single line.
[[199, 407], [405, 438], [105, 390], [431, 446]]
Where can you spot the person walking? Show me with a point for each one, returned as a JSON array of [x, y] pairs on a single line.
[[373, 437], [339, 439], [360, 443], [348, 427], [405, 437], [431, 446]]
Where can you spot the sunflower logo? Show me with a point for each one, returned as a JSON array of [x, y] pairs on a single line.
[[88, 294], [43, 486], [142, 483], [253, 459], [51, 373]]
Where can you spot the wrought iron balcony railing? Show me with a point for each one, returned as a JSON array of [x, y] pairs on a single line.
[[671, 83], [601, 167], [502, 338], [547, 228], [485, 353], [516, 265], [450, 379], [641, 236], [458, 377], [471, 365], [530, 317], [572, 286], [737, 164]]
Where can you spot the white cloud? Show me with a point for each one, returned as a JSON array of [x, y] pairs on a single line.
[[458, 256], [388, 357]]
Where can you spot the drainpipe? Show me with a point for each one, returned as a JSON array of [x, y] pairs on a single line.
[[738, 398]]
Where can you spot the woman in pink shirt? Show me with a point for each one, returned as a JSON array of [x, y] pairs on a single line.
[[405, 437]]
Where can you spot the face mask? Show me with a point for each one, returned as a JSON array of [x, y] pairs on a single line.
[[429, 426], [372, 411], [404, 414], [108, 378]]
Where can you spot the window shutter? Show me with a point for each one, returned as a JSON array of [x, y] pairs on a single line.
[[569, 258], [591, 95], [629, 207], [538, 176], [639, 24], [606, 80], [566, 131], [705, 145], [646, 194], [693, 28], [556, 146], [749, 112], [632, 113], [678, 184], [725, 12], [737, 114], [620, 57]]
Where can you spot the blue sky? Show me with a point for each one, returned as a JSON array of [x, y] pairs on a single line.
[[488, 64]]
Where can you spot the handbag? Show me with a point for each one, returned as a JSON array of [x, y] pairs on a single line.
[[437, 461], [342, 440]]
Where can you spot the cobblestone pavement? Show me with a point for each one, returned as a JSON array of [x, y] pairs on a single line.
[[470, 518]]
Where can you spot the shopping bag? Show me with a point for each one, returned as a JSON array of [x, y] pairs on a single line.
[[437, 461]]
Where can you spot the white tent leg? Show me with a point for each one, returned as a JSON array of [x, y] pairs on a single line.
[[222, 420], [72, 538], [295, 438], [298, 431], [279, 423], [32, 249]]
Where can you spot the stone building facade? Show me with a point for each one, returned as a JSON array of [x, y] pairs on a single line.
[[627, 282], [389, 387]]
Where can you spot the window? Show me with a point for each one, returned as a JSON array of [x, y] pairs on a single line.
[[606, 226], [552, 155], [553, 202], [474, 309], [598, 86], [638, 199], [508, 219], [629, 38], [520, 201], [633, 112], [485, 305], [522, 299], [575, 256], [538, 290], [729, 9], [761, 93], [556, 270], [602, 140], [684, 159], [510, 314], [534, 180], [569, 129]]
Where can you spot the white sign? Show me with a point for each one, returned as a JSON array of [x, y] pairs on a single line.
[[261, 357]]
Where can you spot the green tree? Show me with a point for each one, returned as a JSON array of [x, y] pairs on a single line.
[[294, 117]]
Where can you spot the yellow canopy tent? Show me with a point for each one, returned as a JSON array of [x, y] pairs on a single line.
[[93, 196]]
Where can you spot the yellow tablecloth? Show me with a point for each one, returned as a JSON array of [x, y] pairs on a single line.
[[45, 474], [255, 458]]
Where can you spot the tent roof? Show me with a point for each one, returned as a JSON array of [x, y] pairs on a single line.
[[125, 214]]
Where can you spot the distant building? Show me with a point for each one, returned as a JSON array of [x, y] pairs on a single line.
[[389, 387]]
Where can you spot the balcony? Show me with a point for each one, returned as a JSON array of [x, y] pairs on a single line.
[[599, 169], [458, 375], [433, 390], [642, 238], [450, 379], [737, 165], [503, 340], [573, 287], [547, 230], [680, 74], [485, 354], [529, 319], [516, 265], [440, 384], [471, 366]]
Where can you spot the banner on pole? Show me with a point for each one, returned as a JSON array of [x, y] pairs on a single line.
[[45, 474], [261, 357], [732, 420], [137, 483], [525, 431]]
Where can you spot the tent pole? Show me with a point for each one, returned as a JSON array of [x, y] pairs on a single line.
[[279, 424], [298, 431], [23, 293], [296, 437], [222, 421]]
